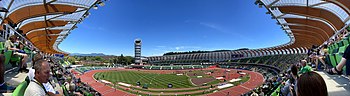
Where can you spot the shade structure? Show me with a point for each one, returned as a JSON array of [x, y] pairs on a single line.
[[308, 22], [45, 23]]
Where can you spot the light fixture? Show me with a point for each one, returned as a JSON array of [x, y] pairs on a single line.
[[101, 3], [2, 9], [256, 2], [273, 8], [95, 7], [86, 15]]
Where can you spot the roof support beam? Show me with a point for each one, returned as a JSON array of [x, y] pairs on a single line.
[[280, 16], [341, 5], [65, 14], [274, 2], [347, 19], [318, 4], [323, 31], [8, 8], [312, 33], [51, 1]]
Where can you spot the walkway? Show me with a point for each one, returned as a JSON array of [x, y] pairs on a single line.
[[336, 85]]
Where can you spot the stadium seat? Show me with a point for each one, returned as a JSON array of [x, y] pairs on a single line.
[[330, 49], [276, 92], [346, 42], [2, 47], [340, 43], [15, 59], [335, 45], [340, 53], [7, 55], [65, 91], [332, 59], [19, 91]]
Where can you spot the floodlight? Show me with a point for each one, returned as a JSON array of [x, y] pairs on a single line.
[[273, 8], [256, 2], [95, 7], [101, 3], [2, 9]]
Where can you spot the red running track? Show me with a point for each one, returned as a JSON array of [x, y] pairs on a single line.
[[256, 79], [105, 90]]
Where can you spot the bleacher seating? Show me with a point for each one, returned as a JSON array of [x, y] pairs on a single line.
[[336, 51], [174, 67], [279, 61], [85, 69], [177, 67]]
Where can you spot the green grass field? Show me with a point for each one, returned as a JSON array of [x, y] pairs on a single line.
[[160, 81], [153, 80]]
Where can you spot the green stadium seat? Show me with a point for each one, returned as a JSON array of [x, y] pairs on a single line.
[[2, 47], [6, 54], [335, 50], [339, 55], [65, 91], [332, 59], [330, 49], [331, 46], [276, 92], [340, 44], [20, 89], [15, 59], [7, 58], [346, 42], [335, 45]]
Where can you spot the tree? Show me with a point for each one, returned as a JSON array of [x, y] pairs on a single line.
[[72, 60], [129, 60], [115, 60], [98, 58], [121, 59]]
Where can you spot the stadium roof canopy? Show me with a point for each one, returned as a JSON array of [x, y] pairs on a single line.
[[46, 23], [308, 22]]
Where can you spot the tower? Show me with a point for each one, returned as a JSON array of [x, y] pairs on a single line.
[[138, 60]]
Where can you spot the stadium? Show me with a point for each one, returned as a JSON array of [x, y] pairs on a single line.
[[313, 63]]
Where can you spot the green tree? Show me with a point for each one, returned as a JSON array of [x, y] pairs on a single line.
[[115, 60], [129, 60], [72, 60], [121, 59], [98, 58]]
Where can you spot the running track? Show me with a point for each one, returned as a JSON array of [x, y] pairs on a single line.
[[256, 79]]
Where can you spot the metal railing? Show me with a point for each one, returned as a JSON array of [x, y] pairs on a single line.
[[9, 31]]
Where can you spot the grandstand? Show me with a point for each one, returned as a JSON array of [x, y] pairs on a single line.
[[42, 25]]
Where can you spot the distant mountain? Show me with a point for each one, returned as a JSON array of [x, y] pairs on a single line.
[[91, 54]]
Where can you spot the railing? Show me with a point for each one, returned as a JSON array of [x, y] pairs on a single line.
[[9, 31]]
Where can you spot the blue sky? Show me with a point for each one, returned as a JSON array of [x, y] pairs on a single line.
[[174, 25]]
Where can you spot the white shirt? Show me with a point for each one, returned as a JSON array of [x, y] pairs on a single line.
[[48, 86], [34, 89]]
